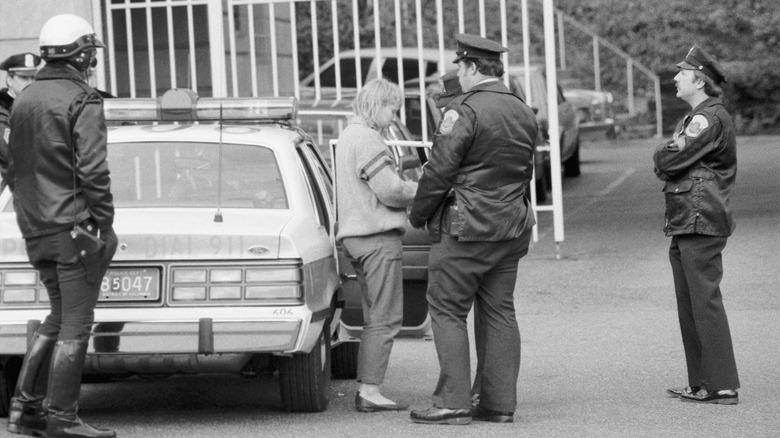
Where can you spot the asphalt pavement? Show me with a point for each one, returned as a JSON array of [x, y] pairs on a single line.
[[600, 340]]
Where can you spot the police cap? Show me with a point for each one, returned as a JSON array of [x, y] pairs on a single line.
[[473, 46], [450, 88], [21, 63], [698, 59]]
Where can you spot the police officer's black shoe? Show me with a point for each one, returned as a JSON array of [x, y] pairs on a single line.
[[436, 415], [722, 397], [26, 419], [484, 414], [26, 415], [62, 399], [679, 391]]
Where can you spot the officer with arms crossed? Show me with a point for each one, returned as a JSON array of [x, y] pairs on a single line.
[[699, 167], [21, 69], [59, 176], [471, 197]]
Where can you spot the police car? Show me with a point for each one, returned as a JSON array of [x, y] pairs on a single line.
[[226, 260]]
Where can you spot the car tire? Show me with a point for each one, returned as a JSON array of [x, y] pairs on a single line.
[[304, 379], [571, 167], [344, 360], [9, 374]]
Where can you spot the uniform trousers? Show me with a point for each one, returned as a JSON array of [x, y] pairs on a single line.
[[458, 274], [377, 262], [71, 296], [697, 267]]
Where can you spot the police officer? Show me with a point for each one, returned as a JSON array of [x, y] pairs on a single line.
[[471, 197], [20, 72], [59, 177], [699, 166]]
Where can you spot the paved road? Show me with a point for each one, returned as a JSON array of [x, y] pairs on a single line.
[[600, 337]]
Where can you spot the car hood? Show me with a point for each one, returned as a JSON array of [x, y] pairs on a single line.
[[179, 234]]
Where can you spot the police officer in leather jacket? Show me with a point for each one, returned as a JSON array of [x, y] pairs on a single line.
[[58, 173], [20, 72], [471, 197], [699, 166]]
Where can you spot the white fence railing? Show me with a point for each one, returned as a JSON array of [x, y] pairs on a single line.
[[269, 47]]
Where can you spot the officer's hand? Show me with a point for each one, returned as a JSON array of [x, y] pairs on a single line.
[[109, 238]]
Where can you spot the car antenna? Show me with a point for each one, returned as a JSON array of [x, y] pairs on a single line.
[[218, 214]]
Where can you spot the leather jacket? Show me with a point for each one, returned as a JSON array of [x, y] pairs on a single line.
[[6, 101], [479, 168], [700, 176], [55, 117]]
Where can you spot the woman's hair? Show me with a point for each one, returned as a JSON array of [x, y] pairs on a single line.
[[712, 89], [375, 94]]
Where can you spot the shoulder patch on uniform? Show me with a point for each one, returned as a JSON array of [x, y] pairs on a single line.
[[448, 121], [6, 134], [698, 124]]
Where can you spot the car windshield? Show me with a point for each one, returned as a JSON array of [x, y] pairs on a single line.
[[173, 174]]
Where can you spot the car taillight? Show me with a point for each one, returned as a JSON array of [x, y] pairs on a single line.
[[250, 283], [22, 287]]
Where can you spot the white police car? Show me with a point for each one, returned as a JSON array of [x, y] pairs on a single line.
[[226, 259]]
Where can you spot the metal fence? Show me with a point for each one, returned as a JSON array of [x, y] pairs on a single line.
[[281, 47]]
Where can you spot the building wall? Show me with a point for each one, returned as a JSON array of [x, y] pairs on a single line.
[[21, 22]]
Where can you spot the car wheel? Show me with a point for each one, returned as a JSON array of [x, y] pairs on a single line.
[[9, 374], [304, 379], [571, 167], [344, 360]]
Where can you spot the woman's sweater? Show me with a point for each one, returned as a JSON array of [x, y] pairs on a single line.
[[372, 198]]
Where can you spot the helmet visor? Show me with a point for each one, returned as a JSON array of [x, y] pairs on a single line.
[[67, 50]]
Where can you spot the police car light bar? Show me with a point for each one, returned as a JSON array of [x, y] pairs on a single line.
[[183, 105]]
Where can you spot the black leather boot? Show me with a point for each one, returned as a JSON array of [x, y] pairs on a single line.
[[62, 401], [26, 415]]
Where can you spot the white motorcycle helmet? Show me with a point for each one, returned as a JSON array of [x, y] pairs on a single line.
[[71, 38]]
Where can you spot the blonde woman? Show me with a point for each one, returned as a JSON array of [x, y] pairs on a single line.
[[372, 201]]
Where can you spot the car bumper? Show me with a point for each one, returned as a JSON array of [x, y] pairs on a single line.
[[597, 127], [165, 331]]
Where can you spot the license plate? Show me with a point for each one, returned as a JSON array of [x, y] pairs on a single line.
[[131, 284]]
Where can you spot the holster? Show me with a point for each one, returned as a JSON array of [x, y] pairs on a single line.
[[88, 247], [450, 221]]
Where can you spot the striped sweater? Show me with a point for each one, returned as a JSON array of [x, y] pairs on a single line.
[[371, 197]]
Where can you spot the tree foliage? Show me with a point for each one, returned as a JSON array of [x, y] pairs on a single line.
[[744, 35], [659, 33]]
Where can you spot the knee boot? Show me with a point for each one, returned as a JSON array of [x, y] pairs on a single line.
[[26, 415], [62, 400]]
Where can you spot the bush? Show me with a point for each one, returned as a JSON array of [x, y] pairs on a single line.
[[752, 94]]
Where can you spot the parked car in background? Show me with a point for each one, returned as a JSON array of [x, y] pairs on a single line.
[[226, 260], [567, 115], [594, 110], [372, 62], [324, 125]]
